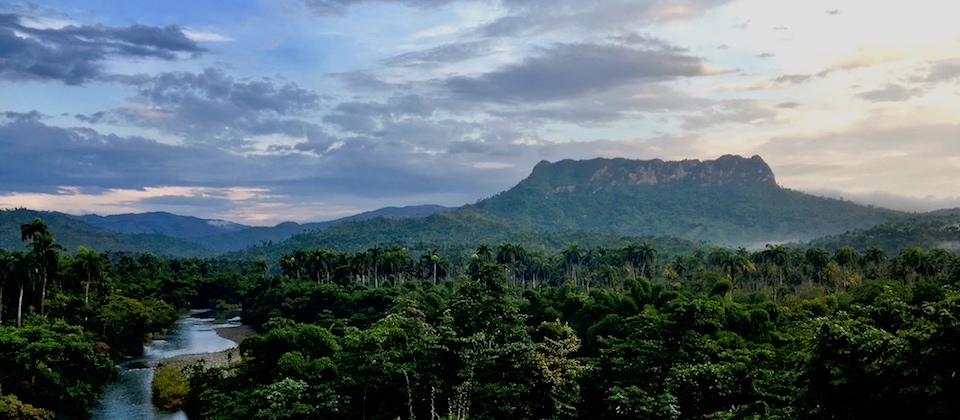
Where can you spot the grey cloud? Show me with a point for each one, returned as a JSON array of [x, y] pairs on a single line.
[[733, 111], [604, 107], [793, 79], [788, 105], [537, 16], [365, 117], [891, 93], [364, 81], [565, 71], [943, 71], [339, 7], [75, 54], [448, 53], [212, 107], [22, 116], [766, 55]]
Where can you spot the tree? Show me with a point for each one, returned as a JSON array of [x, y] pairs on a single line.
[[779, 257], [818, 258], [43, 250], [6, 270], [88, 264], [846, 257], [874, 257]]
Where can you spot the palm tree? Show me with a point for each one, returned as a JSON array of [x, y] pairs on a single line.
[[846, 257], [874, 258], [18, 266], [6, 269], [572, 255], [818, 258], [509, 255], [89, 264], [641, 257], [43, 250], [778, 256]]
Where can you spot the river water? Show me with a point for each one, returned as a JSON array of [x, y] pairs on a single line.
[[129, 397]]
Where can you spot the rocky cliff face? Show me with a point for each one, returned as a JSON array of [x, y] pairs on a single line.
[[596, 174]]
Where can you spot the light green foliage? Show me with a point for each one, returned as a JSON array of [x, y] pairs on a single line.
[[13, 408], [169, 388]]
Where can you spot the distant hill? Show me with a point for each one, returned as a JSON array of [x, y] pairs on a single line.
[[451, 232], [946, 212], [162, 223], [170, 234], [71, 233], [729, 201], [245, 238], [924, 231]]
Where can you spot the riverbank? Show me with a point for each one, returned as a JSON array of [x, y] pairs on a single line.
[[215, 359]]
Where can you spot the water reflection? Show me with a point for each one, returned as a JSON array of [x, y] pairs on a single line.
[[129, 397]]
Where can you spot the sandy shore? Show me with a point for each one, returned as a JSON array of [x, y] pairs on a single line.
[[218, 359]]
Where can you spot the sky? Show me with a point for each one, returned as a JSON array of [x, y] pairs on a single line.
[[263, 111]]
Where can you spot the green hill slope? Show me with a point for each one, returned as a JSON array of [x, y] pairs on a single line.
[[72, 233]]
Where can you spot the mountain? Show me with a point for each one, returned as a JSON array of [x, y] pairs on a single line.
[[162, 223], [245, 238], [732, 201], [72, 232]]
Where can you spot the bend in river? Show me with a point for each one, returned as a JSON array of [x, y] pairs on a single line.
[[129, 397]]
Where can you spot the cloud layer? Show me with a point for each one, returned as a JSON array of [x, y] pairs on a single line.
[[312, 109]]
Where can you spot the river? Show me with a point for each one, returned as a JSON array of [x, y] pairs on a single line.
[[129, 397]]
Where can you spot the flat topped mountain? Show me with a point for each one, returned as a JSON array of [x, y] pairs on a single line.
[[568, 175], [731, 201]]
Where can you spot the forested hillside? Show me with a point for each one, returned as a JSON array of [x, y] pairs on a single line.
[[72, 233], [729, 201], [922, 231]]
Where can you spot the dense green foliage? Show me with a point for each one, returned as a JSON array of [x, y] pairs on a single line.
[[65, 320], [507, 333], [635, 330]]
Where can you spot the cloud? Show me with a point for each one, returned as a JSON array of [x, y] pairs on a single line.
[[869, 55], [76, 54], [340, 7], [565, 71], [539, 16], [943, 71], [892, 201], [447, 53], [213, 107], [741, 111], [902, 156], [891, 93]]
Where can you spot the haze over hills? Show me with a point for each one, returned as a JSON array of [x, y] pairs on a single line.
[[175, 235], [730, 201]]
